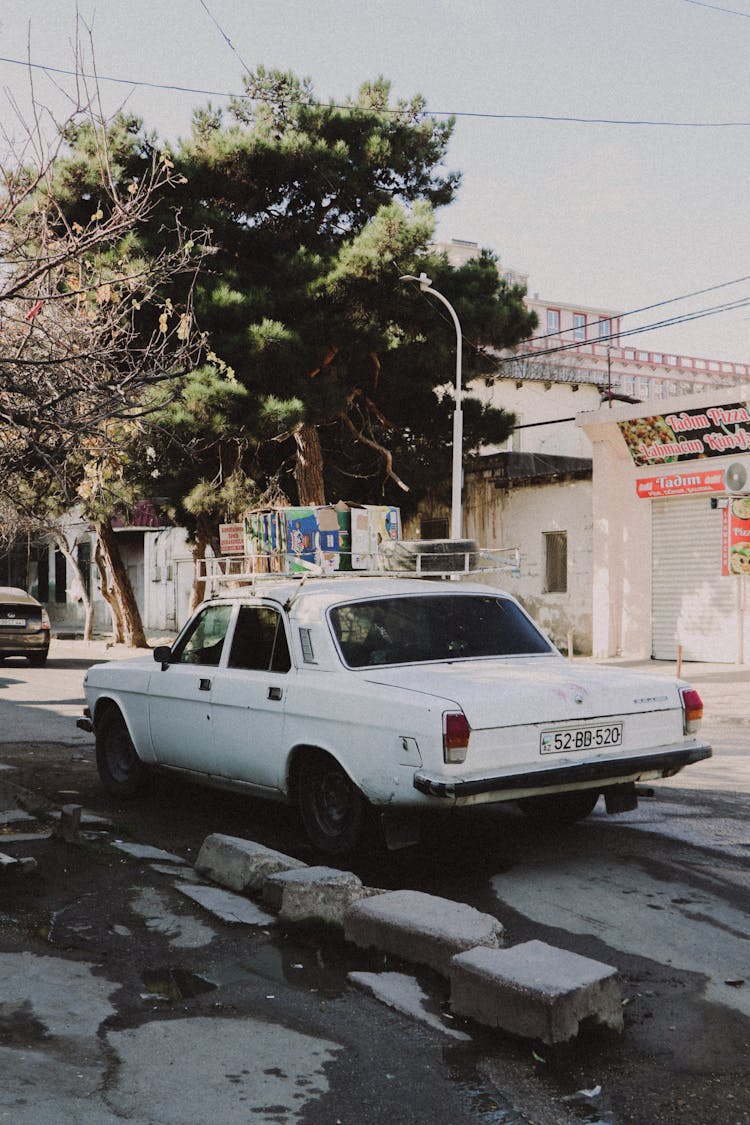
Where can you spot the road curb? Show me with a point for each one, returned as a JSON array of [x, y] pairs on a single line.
[[532, 990]]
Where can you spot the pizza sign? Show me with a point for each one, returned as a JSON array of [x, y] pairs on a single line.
[[688, 435]]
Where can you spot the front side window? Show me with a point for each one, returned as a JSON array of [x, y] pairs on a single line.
[[204, 638], [419, 628], [259, 642]]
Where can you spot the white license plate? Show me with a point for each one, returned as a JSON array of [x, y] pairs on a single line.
[[16, 622], [580, 738]]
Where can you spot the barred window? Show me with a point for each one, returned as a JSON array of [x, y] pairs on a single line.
[[555, 562]]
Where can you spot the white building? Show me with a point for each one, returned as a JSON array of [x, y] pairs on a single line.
[[563, 490]]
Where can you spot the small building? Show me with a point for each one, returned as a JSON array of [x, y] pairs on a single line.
[[671, 528]]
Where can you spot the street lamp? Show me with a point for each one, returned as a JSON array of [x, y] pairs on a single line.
[[425, 284]]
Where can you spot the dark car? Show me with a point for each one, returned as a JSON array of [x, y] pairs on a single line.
[[24, 626]]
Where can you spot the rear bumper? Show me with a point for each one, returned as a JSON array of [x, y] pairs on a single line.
[[20, 643], [616, 769]]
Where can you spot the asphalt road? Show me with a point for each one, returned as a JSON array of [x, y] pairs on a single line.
[[662, 893]]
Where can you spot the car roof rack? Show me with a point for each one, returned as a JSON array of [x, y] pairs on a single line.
[[438, 559]]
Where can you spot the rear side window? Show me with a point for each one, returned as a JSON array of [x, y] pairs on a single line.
[[259, 642], [415, 629]]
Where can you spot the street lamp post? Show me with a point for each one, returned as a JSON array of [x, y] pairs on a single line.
[[425, 284]]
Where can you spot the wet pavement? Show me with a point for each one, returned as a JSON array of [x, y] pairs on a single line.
[[121, 998]]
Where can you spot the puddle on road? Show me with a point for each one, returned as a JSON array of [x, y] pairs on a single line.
[[174, 984], [315, 967]]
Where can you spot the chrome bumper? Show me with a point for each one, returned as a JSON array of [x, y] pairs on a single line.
[[664, 761]]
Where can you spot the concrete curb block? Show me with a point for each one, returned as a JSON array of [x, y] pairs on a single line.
[[313, 894], [532, 990], [241, 865], [535, 990], [420, 927]]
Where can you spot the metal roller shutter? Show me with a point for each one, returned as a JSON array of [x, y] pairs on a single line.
[[692, 604]]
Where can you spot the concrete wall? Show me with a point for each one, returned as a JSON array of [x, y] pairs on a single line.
[[542, 402]]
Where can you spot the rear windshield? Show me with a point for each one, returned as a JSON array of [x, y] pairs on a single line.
[[414, 629]]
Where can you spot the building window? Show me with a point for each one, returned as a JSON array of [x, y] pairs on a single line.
[[555, 562], [628, 385], [579, 326], [553, 321], [605, 329], [644, 388]]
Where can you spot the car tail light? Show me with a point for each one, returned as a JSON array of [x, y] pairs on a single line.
[[692, 710], [456, 731], [45, 620]]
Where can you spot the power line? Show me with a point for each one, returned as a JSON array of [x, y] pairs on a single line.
[[224, 35], [718, 8], [457, 113], [655, 305], [669, 322]]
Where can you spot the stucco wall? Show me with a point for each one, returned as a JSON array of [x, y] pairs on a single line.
[[542, 402]]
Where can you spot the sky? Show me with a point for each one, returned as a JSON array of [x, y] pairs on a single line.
[[599, 212]]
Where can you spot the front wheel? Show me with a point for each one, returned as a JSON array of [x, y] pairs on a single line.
[[121, 771], [331, 806], [560, 808]]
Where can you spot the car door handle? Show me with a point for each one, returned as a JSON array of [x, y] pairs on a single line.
[[204, 685], [274, 693]]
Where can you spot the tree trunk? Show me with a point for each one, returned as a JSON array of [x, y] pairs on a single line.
[[132, 626], [308, 471], [88, 610], [198, 550], [109, 597]]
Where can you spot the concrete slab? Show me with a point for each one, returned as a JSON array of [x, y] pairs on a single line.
[[16, 816], [24, 864], [421, 928], [535, 991], [145, 851], [226, 906], [312, 894], [405, 994], [241, 865]]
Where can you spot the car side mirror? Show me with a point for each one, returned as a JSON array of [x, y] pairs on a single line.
[[163, 656]]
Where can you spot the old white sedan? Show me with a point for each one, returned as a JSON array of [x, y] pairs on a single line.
[[353, 694]]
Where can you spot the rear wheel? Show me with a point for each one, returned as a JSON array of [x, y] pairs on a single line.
[[560, 808], [38, 660], [121, 771], [331, 806]]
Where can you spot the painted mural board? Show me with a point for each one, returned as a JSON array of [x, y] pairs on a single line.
[[735, 530], [688, 435]]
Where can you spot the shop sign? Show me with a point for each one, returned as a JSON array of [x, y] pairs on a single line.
[[662, 439], [232, 538], [680, 484], [735, 535]]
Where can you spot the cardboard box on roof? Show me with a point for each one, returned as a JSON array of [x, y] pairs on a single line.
[[339, 536], [372, 524]]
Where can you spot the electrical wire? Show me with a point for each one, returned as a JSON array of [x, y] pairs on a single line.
[[718, 8], [649, 308], [135, 83]]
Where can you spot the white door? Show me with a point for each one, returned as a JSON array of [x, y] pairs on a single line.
[[248, 699], [180, 694]]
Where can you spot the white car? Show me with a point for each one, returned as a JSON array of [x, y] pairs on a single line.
[[349, 694]]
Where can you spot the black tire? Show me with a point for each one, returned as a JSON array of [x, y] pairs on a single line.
[[121, 771], [560, 808], [38, 660], [331, 806]]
